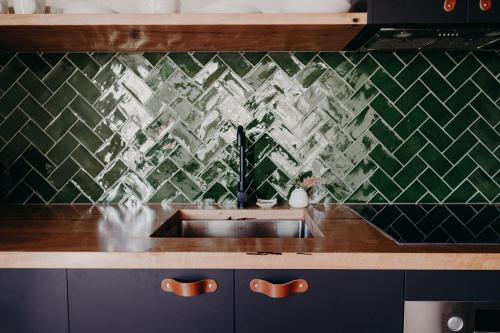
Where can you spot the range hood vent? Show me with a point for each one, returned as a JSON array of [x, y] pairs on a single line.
[[389, 39]]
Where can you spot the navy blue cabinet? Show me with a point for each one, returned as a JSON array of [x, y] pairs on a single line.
[[478, 15], [132, 301], [417, 12], [336, 301], [456, 286], [33, 301], [432, 12]]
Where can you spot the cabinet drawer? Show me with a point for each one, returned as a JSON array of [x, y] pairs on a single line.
[[33, 300], [417, 11], [335, 301], [452, 286], [133, 301]]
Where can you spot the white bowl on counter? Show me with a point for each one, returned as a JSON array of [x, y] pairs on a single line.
[[86, 8], [267, 204], [229, 8], [316, 6]]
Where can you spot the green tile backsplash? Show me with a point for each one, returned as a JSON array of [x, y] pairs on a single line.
[[158, 127]]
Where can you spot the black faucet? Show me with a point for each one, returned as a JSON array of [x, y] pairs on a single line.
[[242, 185]]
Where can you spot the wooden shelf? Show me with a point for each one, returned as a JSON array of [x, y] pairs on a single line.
[[179, 32]]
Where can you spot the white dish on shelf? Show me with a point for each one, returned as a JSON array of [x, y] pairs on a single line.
[[86, 8], [229, 8], [267, 204], [316, 6]]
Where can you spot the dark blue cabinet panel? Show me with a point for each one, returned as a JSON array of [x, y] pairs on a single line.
[[337, 301], [476, 15], [33, 300], [131, 301], [452, 286], [417, 11]]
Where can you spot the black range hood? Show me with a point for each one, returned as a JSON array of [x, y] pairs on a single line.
[[431, 25]]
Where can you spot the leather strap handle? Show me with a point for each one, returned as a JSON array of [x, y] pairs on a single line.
[[485, 5], [279, 290], [449, 5], [191, 289]]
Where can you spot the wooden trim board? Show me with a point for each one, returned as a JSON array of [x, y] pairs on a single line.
[[179, 32]]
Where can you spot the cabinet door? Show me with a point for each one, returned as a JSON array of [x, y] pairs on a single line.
[[132, 301], [477, 15], [336, 301], [453, 286], [33, 301], [417, 11]]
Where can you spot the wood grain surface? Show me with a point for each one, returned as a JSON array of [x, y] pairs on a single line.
[[115, 237], [179, 32]]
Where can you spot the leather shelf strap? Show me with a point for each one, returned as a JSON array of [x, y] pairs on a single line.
[[449, 5], [191, 289], [279, 290], [485, 5]]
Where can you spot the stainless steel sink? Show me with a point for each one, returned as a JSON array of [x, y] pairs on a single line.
[[243, 228]]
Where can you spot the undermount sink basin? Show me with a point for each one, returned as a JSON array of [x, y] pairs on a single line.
[[236, 224], [239, 229]]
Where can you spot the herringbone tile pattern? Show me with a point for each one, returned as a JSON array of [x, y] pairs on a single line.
[[466, 224], [157, 127]]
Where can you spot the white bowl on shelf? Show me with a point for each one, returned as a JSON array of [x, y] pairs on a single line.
[[229, 8], [316, 6], [86, 8]]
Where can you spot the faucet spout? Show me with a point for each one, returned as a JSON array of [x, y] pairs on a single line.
[[242, 196]]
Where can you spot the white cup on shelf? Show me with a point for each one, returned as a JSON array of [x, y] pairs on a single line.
[[29, 6], [160, 6]]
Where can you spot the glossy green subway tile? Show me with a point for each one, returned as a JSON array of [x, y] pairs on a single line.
[[12, 124], [10, 73], [35, 87], [11, 99], [435, 134], [160, 127], [36, 112], [486, 134], [59, 74], [410, 172], [436, 110], [437, 84], [486, 108], [35, 63], [463, 71], [412, 71], [460, 171], [62, 149]]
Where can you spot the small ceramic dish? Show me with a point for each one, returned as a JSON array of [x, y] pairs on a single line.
[[266, 204]]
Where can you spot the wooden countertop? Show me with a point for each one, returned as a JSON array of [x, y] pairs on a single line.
[[115, 237]]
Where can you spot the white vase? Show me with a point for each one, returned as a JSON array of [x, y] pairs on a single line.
[[299, 198]]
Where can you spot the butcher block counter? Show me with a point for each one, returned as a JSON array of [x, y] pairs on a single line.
[[114, 237]]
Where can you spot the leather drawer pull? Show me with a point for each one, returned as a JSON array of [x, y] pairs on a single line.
[[449, 5], [189, 289], [485, 5], [279, 290]]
